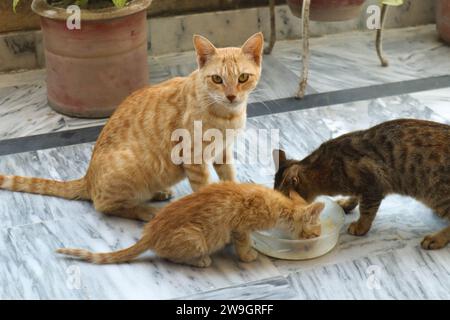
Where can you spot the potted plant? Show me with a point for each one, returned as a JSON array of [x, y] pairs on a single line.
[[91, 69], [328, 10], [443, 19]]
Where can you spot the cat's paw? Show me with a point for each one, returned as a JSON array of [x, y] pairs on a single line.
[[202, 262], [248, 255], [433, 242], [162, 195], [358, 229]]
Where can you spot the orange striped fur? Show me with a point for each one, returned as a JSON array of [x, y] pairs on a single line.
[[131, 162], [190, 229]]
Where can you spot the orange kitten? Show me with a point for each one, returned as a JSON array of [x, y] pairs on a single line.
[[191, 229], [132, 160]]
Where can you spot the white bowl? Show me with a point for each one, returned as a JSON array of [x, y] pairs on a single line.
[[272, 243]]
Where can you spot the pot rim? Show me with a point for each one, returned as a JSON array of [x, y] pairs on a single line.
[[42, 8]]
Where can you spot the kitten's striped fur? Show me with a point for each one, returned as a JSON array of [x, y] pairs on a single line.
[[131, 162]]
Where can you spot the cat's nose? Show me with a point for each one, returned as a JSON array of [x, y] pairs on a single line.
[[231, 98]]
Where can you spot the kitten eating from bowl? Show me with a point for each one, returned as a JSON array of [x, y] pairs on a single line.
[[192, 228]]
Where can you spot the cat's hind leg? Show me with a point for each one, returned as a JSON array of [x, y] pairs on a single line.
[[202, 262], [191, 248], [368, 208], [442, 238], [348, 204], [123, 205], [243, 246], [137, 212]]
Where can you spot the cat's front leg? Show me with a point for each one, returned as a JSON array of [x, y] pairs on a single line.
[[224, 165], [198, 175], [243, 246], [368, 208]]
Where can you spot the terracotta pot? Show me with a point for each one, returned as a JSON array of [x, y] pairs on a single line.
[[91, 70], [328, 10], [443, 19]]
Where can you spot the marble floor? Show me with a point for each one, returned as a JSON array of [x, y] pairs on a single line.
[[340, 61], [387, 263], [371, 267]]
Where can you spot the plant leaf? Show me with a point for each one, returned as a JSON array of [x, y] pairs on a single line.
[[392, 2], [82, 3], [119, 3], [15, 3]]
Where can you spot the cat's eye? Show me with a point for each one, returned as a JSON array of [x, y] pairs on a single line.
[[217, 79], [243, 77]]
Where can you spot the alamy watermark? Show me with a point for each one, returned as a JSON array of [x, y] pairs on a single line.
[[203, 146], [374, 273], [73, 21], [373, 21], [73, 281]]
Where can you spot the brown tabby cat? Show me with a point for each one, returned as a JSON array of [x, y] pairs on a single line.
[[190, 229], [131, 162], [407, 157]]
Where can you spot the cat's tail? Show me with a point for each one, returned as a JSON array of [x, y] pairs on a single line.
[[75, 189], [124, 255]]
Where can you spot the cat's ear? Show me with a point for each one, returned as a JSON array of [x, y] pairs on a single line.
[[253, 47], [314, 210], [204, 49], [279, 156]]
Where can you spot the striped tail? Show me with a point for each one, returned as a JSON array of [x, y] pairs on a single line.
[[75, 189], [124, 255]]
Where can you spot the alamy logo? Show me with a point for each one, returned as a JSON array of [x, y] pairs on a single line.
[[201, 146], [373, 281], [73, 21], [373, 22], [73, 281]]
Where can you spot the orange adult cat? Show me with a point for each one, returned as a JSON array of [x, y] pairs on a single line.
[[131, 162], [190, 229]]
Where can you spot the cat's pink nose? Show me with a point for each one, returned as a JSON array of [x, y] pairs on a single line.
[[231, 98]]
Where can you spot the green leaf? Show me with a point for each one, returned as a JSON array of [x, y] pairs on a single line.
[[15, 3], [119, 3], [392, 2], [82, 3]]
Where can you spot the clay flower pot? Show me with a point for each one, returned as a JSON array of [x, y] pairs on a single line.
[[443, 19], [91, 70], [328, 10]]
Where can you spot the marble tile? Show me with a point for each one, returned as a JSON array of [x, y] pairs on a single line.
[[222, 27], [41, 274], [24, 50], [410, 273], [278, 288], [33, 226], [436, 100], [18, 50], [24, 109], [349, 60], [19, 78], [179, 29]]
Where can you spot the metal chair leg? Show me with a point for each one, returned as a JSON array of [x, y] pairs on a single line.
[[273, 32], [305, 53], [379, 39]]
